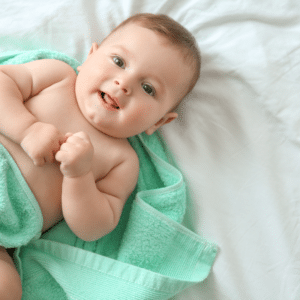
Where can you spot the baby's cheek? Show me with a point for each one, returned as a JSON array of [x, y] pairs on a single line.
[[143, 114]]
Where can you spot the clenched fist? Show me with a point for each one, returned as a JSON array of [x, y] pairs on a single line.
[[41, 142], [75, 155]]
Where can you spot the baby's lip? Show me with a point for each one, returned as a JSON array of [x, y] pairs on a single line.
[[113, 101]]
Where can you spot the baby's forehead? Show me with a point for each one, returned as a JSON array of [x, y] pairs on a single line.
[[116, 38], [123, 32]]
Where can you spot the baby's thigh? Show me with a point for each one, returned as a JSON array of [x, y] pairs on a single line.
[[10, 281]]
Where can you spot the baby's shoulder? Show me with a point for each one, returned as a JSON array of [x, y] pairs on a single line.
[[55, 66], [115, 159], [125, 152], [115, 154], [45, 73]]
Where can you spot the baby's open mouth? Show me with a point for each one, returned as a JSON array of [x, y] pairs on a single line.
[[109, 100]]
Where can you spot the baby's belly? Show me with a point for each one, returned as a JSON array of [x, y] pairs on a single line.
[[45, 182]]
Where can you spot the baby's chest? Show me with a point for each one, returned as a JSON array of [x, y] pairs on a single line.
[[56, 105], [106, 158]]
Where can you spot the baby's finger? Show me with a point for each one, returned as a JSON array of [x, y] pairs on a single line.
[[65, 138], [67, 146], [68, 134], [60, 156]]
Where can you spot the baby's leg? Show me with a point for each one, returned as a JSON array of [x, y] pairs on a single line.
[[10, 282]]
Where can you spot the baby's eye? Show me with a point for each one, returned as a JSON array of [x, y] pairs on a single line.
[[149, 89], [119, 62]]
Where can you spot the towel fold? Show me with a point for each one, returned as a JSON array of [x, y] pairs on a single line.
[[21, 218], [150, 255]]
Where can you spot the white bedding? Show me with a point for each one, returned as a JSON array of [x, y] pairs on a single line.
[[237, 140]]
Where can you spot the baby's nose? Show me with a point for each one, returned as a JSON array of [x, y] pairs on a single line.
[[125, 88]]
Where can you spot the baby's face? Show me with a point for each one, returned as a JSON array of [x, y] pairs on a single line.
[[131, 81]]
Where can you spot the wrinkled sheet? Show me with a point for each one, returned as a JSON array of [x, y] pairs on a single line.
[[237, 139]]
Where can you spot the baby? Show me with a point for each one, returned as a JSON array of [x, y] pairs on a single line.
[[68, 134]]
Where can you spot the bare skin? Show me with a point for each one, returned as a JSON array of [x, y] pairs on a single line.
[[68, 133], [46, 181]]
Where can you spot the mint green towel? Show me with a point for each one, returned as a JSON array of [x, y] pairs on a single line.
[[21, 218], [150, 255]]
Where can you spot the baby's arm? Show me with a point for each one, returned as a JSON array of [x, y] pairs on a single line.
[[93, 209], [18, 84]]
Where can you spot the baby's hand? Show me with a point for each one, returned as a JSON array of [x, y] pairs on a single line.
[[41, 142], [76, 155]]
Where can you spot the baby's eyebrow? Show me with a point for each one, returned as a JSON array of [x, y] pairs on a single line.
[[124, 49]]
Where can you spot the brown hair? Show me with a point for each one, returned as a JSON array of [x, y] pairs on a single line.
[[175, 33]]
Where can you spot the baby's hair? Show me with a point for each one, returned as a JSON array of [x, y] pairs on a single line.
[[175, 33]]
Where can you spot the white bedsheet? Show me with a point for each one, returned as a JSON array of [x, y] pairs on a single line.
[[237, 140]]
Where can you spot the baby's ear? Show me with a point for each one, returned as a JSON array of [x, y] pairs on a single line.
[[167, 118], [93, 48]]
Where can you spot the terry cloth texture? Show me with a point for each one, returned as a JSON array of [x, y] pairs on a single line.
[[150, 255], [21, 219]]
